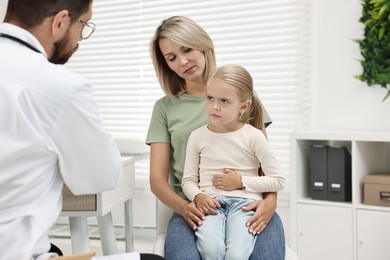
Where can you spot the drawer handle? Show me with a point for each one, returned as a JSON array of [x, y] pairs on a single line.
[[385, 195]]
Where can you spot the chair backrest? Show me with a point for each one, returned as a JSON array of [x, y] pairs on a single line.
[[163, 216]]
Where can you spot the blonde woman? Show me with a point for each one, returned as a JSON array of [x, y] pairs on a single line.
[[184, 58]]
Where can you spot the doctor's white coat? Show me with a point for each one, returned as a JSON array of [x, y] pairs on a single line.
[[50, 134]]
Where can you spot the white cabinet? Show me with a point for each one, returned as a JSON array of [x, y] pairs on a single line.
[[324, 232], [373, 235], [323, 229]]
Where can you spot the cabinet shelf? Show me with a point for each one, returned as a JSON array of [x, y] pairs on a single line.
[[324, 202], [314, 221], [371, 207]]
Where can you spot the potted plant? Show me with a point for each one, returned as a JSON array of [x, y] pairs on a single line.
[[375, 46]]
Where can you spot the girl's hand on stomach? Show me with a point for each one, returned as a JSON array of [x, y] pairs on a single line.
[[228, 180]]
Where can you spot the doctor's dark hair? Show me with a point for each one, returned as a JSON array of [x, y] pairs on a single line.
[[239, 78], [30, 13]]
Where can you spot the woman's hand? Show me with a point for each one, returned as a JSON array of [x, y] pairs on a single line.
[[192, 215], [206, 204], [159, 174], [264, 209], [228, 180]]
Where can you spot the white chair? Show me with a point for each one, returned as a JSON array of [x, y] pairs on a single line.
[[163, 216]]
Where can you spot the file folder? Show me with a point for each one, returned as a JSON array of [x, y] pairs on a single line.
[[319, 172], [339, 174]]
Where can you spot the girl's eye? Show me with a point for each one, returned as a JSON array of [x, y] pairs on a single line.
[[209, 98], [224, 101], [187, 49]]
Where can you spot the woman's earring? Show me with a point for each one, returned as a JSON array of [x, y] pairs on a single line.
[[240, 117]]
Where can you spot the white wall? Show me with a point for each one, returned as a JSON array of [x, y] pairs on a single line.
[[339, 101], [3, 8]]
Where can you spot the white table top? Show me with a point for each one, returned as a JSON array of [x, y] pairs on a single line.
[[126, 256]]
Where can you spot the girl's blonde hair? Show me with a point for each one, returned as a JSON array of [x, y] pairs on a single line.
[[186, 33], [239, 78]]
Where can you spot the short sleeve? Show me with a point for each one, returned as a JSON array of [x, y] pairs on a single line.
[[158, 128]]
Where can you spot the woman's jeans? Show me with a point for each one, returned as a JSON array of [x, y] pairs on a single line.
[[225, 236], [180, 242]]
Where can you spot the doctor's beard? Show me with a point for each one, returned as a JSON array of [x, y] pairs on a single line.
[[62, 52]]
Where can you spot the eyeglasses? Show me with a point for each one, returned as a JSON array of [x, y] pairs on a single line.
[[86, 31], [88, 27]]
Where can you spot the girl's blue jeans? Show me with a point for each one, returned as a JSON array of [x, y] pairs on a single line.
[[225, 236], [180, 242]]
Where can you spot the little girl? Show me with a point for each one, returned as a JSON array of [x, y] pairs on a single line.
[[233, 140]]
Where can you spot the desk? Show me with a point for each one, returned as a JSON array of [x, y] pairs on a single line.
[[78, 208]]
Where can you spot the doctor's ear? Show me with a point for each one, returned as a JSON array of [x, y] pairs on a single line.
[[60, 24]]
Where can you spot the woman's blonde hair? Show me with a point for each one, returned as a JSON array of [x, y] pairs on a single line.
[[189, 34], [239, 78]]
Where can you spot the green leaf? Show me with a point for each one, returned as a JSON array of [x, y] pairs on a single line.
[[381, 32], [383, 9]]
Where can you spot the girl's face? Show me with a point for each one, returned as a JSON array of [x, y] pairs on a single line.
[[223, 106], [187, 63]]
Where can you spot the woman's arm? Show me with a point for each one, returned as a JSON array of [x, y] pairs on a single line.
[[159, 173]]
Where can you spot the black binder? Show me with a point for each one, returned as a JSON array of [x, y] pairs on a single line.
[[319, 172], [339, 174]]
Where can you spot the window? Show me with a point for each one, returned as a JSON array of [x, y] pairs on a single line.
[[268, 37]]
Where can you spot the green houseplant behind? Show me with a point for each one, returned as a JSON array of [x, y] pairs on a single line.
[[375, 46]]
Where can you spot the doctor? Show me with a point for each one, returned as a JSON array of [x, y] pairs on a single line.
[[50, 129]]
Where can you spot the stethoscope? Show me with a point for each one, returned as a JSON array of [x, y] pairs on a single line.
[[13, 38]]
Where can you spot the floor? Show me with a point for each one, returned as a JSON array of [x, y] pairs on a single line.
[[143, 239]]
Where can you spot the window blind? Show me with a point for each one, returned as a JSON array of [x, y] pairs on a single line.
[[268, 37]]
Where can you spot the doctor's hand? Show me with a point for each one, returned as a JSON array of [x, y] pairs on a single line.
[[228, 180]]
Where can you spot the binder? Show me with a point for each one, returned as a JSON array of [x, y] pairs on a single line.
[[319, 172], [339, 174]]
